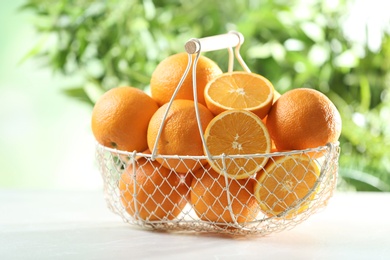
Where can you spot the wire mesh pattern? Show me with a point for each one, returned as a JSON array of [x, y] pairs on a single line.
[[144, 193]]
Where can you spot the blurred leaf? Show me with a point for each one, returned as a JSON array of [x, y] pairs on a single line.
[[364, 181], [35, 51], [365, 91], [79, 94]]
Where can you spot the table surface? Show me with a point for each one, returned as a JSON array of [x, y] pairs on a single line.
[[78, 225]]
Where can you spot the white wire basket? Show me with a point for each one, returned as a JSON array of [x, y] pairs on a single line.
[[216, 208]]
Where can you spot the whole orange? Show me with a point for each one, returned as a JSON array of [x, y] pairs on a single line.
[[168, 73], [209, 198], [155, 193], [120, 118], [303, 118], [180, 134]]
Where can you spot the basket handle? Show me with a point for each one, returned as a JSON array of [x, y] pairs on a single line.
[[196, 46], [216, 42], [219, 42]]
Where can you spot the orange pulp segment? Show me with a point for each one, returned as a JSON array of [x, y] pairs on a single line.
[[239, 90], [237, 132], [285, 184]]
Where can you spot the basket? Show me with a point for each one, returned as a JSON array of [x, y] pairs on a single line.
[[227, 212]]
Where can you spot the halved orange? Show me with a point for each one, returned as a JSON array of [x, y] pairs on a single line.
[[233, 133], [286, 185], [239, 90]]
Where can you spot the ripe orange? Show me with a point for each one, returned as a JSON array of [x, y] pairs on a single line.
[[239, 90], [284, 182], [303, 118], [209, 198], [156, 194], [180, 135], [120, 118], [168, 73], [237, 132]]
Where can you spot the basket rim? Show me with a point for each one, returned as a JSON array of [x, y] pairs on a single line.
[[329, 146]]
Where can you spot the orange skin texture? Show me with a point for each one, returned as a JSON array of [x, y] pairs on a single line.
[[303, 118], [180, 135], [120, 118], [209, 198], [168, 73], [168, 191]]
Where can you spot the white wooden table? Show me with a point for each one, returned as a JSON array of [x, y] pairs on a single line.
[[77, 225]]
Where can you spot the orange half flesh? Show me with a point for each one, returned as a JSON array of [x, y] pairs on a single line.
[[286, 184], [239, 90], [237, 132]]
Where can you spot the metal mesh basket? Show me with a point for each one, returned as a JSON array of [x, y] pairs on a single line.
[[114, 165], [145, 193]]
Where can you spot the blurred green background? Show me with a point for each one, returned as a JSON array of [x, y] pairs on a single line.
[[71, 51], [45, 140]]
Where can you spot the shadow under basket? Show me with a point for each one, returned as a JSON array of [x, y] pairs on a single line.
[[218, 210]]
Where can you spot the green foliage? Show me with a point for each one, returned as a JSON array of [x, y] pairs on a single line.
[[293, 43]]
